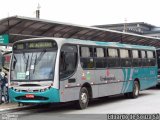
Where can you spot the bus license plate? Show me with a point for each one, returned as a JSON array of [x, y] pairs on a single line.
[[29, 96]]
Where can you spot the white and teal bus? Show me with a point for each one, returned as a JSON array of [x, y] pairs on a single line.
[[48, 70]]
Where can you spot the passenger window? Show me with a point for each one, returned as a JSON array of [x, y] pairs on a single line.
[[151, 61], [113, 59], [100, 59], [125, 60], [150, 54], [124, 53], [68, 60], [136, 61], [86, 51], [86, 54], [143, 54], [144, 58], [112, 52], [135, 53], [99, 52]]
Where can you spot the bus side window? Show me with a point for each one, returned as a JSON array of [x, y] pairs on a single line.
[[86, 57], [100, 58], [135, 61], [113, 58], [68, 61], [125, 58], [144, 58], [151, 58]]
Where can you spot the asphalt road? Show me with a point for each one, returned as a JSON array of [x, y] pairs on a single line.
[[147, 102]]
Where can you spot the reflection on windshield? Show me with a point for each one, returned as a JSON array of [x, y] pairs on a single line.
[[33, 66]]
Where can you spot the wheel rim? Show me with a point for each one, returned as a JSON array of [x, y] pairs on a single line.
[[84, 98], [136, 89]]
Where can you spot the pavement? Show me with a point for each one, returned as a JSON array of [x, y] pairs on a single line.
[[8, 106], [13, 106]]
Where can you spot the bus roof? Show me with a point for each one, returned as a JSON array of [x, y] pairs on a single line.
[[93, 43], [108, 44]]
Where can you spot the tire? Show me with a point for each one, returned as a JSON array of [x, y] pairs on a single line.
[[158, 86], [82, 103], [135, 92], [126, 95]]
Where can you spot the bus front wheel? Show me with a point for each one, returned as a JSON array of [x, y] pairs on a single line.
[[83, 98]]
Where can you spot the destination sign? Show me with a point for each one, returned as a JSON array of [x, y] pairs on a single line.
[[20, 46], [35, 45]]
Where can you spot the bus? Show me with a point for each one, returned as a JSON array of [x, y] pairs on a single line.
[[53, 70]]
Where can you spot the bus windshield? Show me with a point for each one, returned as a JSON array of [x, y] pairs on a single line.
[[33, 65]]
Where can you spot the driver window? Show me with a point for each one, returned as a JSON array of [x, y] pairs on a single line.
[[68, 61]]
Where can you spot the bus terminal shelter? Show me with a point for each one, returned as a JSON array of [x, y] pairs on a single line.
[[17, 28]]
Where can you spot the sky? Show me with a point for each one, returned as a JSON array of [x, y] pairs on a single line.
[[86, 12]]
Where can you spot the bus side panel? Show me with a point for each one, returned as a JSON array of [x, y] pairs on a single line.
[[148, 77], [109, 81], [70, 91], [127, 80], [115, 81]]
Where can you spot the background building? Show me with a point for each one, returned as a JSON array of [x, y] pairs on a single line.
[[135, 27]]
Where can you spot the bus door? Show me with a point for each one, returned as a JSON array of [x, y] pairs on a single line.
[[67, 73]]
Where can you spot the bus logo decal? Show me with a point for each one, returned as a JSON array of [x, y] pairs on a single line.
[[83, 76], [88, 75]]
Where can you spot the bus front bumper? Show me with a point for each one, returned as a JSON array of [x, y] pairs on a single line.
[[48, 96]]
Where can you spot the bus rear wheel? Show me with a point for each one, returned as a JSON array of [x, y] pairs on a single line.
[[135, 92], [83, 98]]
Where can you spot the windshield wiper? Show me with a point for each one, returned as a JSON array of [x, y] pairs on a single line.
[[37, 60], [26, 61], [35, 63]]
